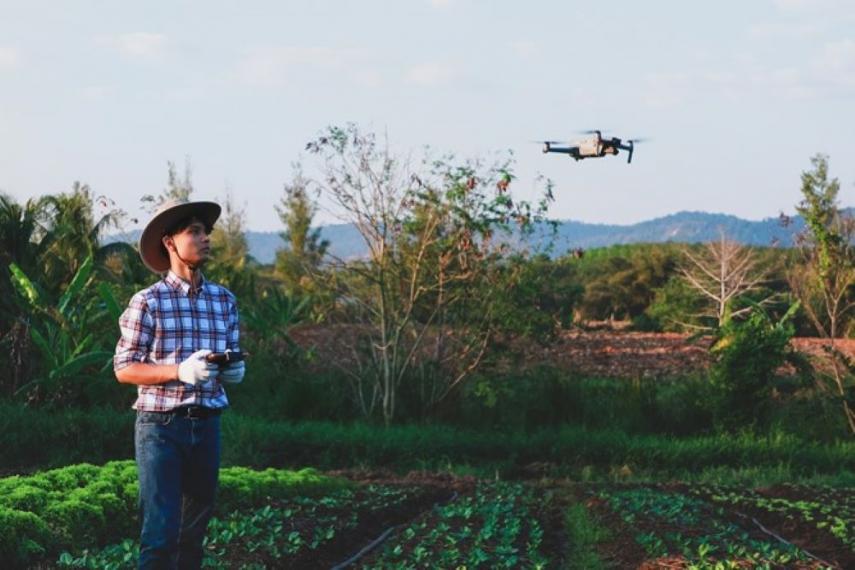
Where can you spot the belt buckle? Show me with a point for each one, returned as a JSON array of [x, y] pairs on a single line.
[[193, 412]]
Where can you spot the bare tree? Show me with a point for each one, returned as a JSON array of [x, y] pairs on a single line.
[[723, 272], [430, 246]]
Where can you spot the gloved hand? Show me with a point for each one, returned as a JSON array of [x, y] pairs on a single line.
[[196, 369], [233, 373]]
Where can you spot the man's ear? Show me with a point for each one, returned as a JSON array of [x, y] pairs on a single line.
[[168, 243]]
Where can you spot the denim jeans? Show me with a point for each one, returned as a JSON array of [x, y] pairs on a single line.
[[178, 461]]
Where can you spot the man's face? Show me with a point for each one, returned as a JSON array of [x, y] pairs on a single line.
[[192, 243]]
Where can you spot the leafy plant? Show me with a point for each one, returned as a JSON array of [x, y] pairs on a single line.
[[65, 333]]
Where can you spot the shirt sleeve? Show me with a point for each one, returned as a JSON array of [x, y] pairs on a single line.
[[137, 328], [233, 340]]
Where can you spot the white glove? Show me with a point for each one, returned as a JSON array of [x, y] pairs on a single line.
[[233, 373], [196, 369]]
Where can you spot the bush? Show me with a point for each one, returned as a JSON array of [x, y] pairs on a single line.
[[84, 505], [748, 355]]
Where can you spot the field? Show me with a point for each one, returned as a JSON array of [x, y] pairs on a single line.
[[605, 353], [375, 519]]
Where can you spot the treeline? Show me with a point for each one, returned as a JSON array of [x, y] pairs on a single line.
[[439, 286]]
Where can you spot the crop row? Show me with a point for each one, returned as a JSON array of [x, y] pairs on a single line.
[[826, 509], [283, 534], [496, 527], [83, 505], [668, 524]]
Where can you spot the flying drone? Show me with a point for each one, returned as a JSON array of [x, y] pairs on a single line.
[[594, 146]]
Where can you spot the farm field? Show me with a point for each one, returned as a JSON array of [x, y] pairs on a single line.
[[82, 517]]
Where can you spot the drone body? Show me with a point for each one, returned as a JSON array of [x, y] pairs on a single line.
[[595, 146]]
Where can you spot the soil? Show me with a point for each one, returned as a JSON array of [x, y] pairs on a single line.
[[621, 550], [601, 353], [818, 542], [349, 541]]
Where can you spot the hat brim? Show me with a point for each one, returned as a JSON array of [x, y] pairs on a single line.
[[152, 252]]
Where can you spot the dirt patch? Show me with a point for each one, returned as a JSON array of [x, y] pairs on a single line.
[[603, 353]]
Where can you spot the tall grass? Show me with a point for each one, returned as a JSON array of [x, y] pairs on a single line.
[[578, 451]]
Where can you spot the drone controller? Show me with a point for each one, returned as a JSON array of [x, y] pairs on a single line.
[[225, 358]]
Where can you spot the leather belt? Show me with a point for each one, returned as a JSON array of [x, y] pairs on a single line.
[[196, 412]]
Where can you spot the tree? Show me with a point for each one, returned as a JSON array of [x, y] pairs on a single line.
[[230, 251], [73, 225], [298, 263], [620, 281], [824, 279], [723, 272], [423, 290], [177, 188]]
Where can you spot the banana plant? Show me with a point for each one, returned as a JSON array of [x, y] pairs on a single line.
[[68, 334]]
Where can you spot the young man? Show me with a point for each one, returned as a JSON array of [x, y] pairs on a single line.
[[168, 330]]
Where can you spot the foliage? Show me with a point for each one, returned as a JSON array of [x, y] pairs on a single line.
[[676, 307], [620, 281], [433, 258], [298, 264], [748, 355], [177, 188], [83, 505], [704, 536], [825, 280], [537, 296], [65, 335], [230, 259], [583, 535], [497, 527]]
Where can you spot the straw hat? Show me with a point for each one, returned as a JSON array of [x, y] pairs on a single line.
[[153, 254]]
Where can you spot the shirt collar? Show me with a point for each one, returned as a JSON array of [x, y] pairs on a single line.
[[177, 282]]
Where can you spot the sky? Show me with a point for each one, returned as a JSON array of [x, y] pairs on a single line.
[[734, 96]]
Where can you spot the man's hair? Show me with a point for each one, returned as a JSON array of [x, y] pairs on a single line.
[[184, 223]]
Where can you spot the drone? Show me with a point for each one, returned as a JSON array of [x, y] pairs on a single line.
[[594, 146]]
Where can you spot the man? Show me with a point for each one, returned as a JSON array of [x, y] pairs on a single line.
[[167, 331]]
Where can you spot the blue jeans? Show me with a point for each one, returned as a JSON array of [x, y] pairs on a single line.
[[178, 460]]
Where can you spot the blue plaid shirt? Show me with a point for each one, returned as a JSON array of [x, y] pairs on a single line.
[[165, 324]]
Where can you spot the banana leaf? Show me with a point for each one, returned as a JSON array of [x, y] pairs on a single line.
[[109, 299], [48, 352], [74, 365], [76, 285], [24, 286]]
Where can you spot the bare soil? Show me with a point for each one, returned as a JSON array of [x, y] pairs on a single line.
[[600, 353]]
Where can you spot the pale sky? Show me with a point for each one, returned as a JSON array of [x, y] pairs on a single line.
[[735, 96]]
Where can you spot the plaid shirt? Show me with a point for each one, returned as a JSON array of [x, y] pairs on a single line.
[[165, 324]]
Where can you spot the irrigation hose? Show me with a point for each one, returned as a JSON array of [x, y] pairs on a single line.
[[377, 541], [784, 540]]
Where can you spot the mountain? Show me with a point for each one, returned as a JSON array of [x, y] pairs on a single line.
[[682, 227]]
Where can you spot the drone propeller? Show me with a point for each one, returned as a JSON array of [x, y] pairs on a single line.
[[551, 142], [638, 140]]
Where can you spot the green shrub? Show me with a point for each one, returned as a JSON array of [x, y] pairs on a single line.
[[23, 536], [80, 506], [748, 355]]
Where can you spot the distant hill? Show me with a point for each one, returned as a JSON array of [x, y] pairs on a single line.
[[682, 227]]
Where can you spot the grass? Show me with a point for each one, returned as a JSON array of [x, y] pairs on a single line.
[[583, 536], [34, 439]]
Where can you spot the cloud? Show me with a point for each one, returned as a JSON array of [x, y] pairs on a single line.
[[525, 48], [663, 90], [9, 58], [802, 5], [836, 63], [272, 66], [784, 31], [430, 74], [137, 44]]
